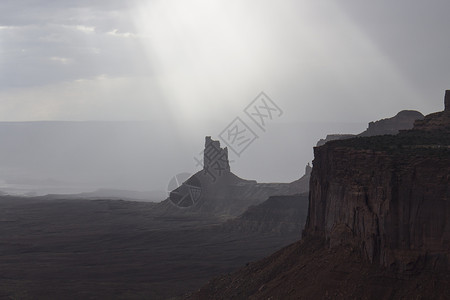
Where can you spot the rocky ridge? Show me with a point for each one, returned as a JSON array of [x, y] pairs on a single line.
[[404, 120]]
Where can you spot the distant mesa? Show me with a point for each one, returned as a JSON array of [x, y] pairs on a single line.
[[334, 137], [404, 120]]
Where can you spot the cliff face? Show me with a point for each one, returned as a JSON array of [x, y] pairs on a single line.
[[395, 207], [387, 196]]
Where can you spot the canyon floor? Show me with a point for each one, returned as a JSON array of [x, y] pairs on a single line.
[[112, 249]]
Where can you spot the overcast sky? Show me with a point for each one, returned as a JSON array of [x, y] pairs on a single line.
[[125, 60], [194, 62]]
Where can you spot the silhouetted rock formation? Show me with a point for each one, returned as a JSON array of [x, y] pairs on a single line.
[[218, 190], [301, 185], [404, 120], [334, 137], [215, 159]]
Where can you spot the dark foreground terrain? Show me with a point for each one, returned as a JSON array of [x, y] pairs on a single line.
[[104, 249], [309, 269]]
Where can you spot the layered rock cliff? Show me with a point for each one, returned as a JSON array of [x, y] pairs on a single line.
[[389, 196]]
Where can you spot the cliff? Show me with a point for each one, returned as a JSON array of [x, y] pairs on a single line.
[[389, 196]]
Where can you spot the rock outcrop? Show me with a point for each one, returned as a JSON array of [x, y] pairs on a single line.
[[216, 190], [447, 101], [436, 122], [215, 159], [301, 185], [404, 120], [387, 195], [334, 137]]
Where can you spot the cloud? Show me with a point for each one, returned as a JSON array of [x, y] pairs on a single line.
[[82, 28], [318, 59], [7, 27], [115, 32], [29, 52], [62, 60]]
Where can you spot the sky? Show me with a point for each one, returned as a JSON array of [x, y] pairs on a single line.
[[198, 64]]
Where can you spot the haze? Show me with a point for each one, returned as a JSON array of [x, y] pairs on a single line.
[[177, 71]]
